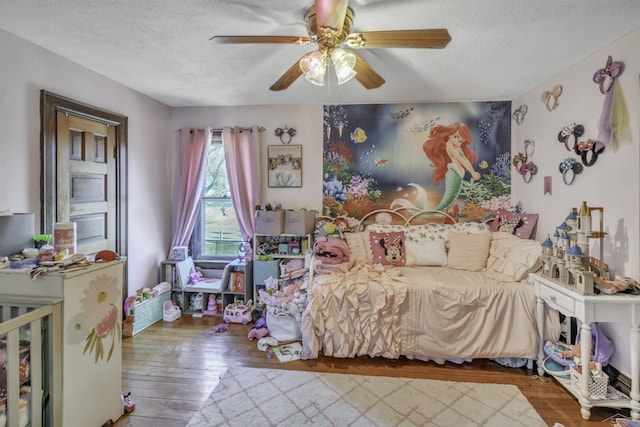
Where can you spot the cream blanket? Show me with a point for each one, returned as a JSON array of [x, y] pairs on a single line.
[[433, 312]]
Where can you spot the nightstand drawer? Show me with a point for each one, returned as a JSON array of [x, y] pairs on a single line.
[[558, 300]]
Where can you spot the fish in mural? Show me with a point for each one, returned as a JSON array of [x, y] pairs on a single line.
[[402, 114], [381, 162], [358, 136], [448, 149]]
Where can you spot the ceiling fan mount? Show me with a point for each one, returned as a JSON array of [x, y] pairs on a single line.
[[329, 24], [327, 37]]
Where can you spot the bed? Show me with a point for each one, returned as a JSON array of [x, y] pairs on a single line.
[[448, 300], [29, 362]]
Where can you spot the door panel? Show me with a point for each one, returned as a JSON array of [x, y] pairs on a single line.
[[86, 180]]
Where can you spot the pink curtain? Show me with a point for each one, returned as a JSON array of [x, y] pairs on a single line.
[[193, 151], [241, 154]]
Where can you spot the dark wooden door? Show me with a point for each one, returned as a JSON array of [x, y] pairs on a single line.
[[84, 172]]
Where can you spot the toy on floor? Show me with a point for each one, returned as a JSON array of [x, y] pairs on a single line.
[[259, 329], [237, 313], [265, 342], [222, 327], [170, 312], [128, 405]]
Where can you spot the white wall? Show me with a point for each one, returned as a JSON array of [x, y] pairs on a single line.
[[305, 119], [25, 69], [613, 182]]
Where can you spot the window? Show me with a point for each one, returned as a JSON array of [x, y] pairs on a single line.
[[217, 234]]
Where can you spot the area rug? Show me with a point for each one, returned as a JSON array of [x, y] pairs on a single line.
[[273, 397]]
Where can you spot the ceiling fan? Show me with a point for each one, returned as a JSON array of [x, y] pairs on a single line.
[[328, 25]]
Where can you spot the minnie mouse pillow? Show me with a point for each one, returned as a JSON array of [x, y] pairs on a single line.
[[388, 248]]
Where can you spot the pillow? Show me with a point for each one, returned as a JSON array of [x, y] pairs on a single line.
[[519, 224], [425, 232], [514, 257], [468, 251], [469, 227], [385, 228], [426, 252], [388, 248], [359, 247]]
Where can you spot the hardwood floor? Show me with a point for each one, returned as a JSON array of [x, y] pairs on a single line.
[[172, 367]]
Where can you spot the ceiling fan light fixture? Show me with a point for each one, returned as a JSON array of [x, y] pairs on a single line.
[[343, 63], [314, 67]]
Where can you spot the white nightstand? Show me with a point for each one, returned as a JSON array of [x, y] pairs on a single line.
[[621, 308]]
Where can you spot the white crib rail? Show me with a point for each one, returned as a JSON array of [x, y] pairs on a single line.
[[17, 312]]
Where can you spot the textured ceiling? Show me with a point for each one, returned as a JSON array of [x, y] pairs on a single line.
[[499, 48]]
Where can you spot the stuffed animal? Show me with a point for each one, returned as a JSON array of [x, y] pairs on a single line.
[[331, 227], [196, 302], [331, 250], [259, 329], [194, 276]]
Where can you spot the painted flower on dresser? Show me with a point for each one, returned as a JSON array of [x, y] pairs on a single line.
[[98, 320]]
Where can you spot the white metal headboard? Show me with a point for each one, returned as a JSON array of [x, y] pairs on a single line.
[[400, 213]]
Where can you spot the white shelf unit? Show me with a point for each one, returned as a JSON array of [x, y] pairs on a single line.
[[181, 294], [271, 250]]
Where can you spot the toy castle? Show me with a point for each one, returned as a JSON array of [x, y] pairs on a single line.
[[567, 259]]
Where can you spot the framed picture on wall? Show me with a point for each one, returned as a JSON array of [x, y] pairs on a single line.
[[179, 253], [285, 165]]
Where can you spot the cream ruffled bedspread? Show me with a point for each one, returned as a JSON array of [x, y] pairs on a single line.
[[433, 312]]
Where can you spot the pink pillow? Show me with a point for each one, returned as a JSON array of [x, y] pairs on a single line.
[[519, 224], [388, 248]]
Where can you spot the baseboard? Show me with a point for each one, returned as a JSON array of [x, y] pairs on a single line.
[[618, 380]]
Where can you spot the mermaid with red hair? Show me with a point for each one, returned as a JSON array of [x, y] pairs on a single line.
[[448, 148]]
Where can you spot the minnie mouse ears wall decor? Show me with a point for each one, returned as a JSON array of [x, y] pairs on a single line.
[[569, 168], [606, 77], [519, 113], [524, 167], [614, 119], [567, 132], [550, 97], [285, 134], [587, 150]]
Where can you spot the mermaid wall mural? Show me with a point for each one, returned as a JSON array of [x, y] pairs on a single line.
[[452, 157]]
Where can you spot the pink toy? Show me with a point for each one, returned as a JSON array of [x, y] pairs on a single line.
[[194, 277], [220, 328], [258, 330], [237, 313], [212, 307]]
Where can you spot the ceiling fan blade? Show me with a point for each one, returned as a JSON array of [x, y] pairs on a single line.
[[433, 38], [365, 74], [290, 76], [260, 39], [331, 13]]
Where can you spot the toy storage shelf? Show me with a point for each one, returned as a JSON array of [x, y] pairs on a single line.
[[227, 293], [270, 250], [146, 313]]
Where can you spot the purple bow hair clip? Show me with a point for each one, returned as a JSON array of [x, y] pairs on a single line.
[[608, 74]]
